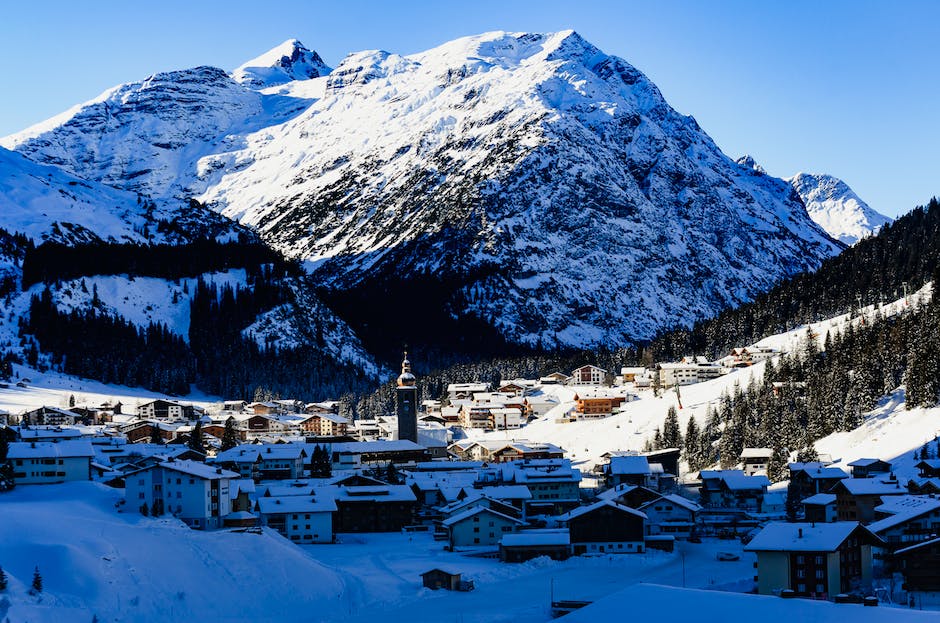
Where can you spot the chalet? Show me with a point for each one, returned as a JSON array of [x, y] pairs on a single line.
[[929, 468], [867, 468], [667, 457], [164, 410], [504, 418], [245, 460], [856, 498], [525, 450], [820, 508], [630, 495], [920, 566], [687, 372], [670, 515], [754, 461], [814, 560], [51, 416], [386, 508], [304, 519], [46, 462], [555, 378], [258, 426], [528, 544], [634, 470], [461, 391], [196, 493], [241, 491], [553, 483], [596, 403], [537, 406], [517, 387], [747, 356], [605, 527], [234, 406], [144, 432], [478, 498], [264, 408], [924, 486], [808, 479], [325, 425], [479, 525], [732, 489], [630, 374], [907, 519], [330, 406], [588, 375]]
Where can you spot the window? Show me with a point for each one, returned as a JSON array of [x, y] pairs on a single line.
[[820, 588], [819, 560], [819, 574], [476, 528]]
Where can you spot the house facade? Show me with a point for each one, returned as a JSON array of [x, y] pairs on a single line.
[[47, 462], [196, 493]]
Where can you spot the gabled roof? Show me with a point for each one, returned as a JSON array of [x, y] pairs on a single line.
[[866, 462], [678, 500], [476, 510], [804, 537], [912, 548], [821, 499], [584, 510], [870, 486], [736, 480], [904, 508]]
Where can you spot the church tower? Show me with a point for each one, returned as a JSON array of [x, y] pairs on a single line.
[[406, 403]]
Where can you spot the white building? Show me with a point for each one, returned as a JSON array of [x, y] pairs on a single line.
[[690, 370], [196, 493], [304, 519], [588, 375], [479, 525], [45, 462]]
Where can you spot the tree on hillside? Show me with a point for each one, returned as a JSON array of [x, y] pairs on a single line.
[[229, 436], [36, 586], [672, 438], [3, 580], [195, 438]]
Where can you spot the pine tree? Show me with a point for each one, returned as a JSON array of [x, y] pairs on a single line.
[[672, 438], [155, 435], [391, 474], [36, 586], [229, 436], [195, 438], [692, 445], [777, 467]]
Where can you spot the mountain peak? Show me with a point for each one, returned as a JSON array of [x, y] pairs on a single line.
[[835, 207], [286, 62], [747, 161]]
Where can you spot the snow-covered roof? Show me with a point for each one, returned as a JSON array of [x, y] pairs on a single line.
[[199, 470], [68, 448], [476, 510], [583, 510], [903, 508], [736, 480], [676, 499], [866, 462], [51, 432], [821, 499], [634, 465], [387, 493], [871, 486], [927, 543], [756, 453], [802, 537], [508, 492], [363, 447], [296, 504], [530, 538]]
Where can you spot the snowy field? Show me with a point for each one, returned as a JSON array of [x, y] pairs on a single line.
[[121, 566]]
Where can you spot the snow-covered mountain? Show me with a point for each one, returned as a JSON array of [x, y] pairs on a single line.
[[836, 208], [287, 62], [528, 181]]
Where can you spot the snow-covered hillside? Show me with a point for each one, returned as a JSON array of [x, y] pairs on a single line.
[[547, 187], [836, 208], [889, 432]]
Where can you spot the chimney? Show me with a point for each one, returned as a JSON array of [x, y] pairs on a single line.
[[800, 534]]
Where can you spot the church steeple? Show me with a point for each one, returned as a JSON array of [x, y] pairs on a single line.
[[406, 378]]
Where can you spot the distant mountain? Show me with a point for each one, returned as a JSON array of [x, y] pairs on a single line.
[[836, 208], [287, 62], [503, 188]]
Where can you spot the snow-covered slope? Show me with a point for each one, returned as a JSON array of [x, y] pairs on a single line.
[[287, 62], [836, 208], [526, 180], [889, 432]]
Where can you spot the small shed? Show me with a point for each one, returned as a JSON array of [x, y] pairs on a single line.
[[440, 578]]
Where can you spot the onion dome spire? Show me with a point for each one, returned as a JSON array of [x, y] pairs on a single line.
[[406, 378]]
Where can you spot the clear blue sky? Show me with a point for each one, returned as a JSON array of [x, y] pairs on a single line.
[[850, 88]]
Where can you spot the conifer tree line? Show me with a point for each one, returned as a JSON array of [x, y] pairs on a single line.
[[216, 357], [813, 392]]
